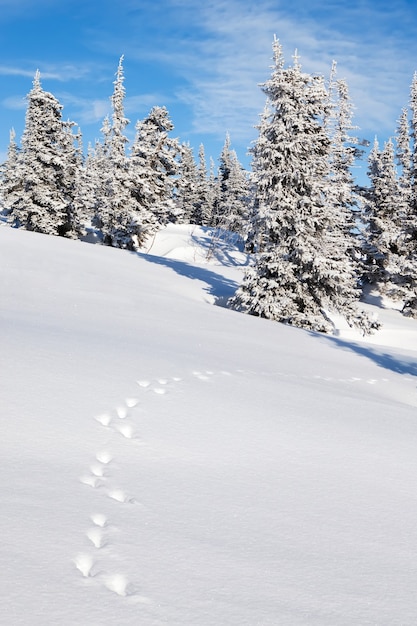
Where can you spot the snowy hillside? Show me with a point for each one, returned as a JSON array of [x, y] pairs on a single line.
[[166, 461]]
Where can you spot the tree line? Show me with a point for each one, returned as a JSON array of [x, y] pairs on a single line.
[[316, 238], [117, 192]]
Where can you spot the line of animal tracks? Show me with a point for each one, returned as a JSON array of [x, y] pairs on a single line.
[[99, 565], [98, 562]]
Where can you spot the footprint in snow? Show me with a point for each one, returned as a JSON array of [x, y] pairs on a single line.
[[91, 481], [126, 430], [103, 419], [118, 583], [84, 564], [99, 519], [143, 383], [104, 457], [200, 376], [96, 536], [97, 470], [121, 412], [120, 496]]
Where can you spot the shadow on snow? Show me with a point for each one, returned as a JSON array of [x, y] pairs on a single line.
[[218, 286], [222, 289], [396, 363]]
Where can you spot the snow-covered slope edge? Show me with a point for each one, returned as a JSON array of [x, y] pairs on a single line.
[[165, 461]]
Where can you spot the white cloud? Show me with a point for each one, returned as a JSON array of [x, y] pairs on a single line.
[[61, 73], [14, 102], [16, 71], [224, 65], [84, 110]]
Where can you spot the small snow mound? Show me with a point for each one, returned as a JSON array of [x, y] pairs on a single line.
[[99, 519], [118, 495], [97, 470], [84, 563], [143, 383], [117, 583], [91, 481], [104, 457], [95, 535], [104, 419], [126, 430]]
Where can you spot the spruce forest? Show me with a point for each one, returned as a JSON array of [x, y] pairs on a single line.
[[317, 239]]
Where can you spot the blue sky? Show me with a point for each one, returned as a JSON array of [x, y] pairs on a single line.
[[202, 60]]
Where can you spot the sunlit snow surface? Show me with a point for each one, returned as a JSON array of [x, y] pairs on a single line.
[[168, 461]]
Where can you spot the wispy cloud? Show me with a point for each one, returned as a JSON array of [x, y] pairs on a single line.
[[16, 71], [83, 111], [86, 111], [205, 60], [227, 48], [15, 103], [61, 73]]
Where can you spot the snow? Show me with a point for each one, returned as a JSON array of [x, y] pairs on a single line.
[[168, 461]]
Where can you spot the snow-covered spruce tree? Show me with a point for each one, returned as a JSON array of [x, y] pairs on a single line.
[[11, 177], [44, 203], [391, 221], [154, 163], [407, 159], [413, 139], [343, 152], [400, 264], [404, 263], [305, 269], [404, 160], [74, 160], [256, 219], [186, 185], [87, 191], [117, 212], [203, 209], [383, 220], [98, 190], [231, 206]]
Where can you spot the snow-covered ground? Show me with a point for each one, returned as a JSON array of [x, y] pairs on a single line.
[[165, 461]]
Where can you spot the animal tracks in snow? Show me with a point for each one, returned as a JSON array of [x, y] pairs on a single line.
[[104, 419], [96, 536], [84, 564], [97, 565], [99, 519], [99, 558], [104, 476]]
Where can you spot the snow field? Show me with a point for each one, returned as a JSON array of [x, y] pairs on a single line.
[[165, 461]]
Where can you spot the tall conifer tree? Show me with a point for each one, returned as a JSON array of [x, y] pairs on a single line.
[[231, 209], [45, 201], [384, 221], [12, 178], [117, 213], [408, 188], [305, 270], [154, 161], [204, 207], [186, 185]]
